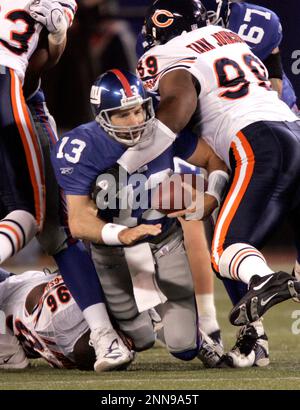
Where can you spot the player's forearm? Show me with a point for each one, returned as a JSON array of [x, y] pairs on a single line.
[[87, 227], [37, 64], [277, 85], [56, 48], [214, 163], [204, 157], [82, 217]]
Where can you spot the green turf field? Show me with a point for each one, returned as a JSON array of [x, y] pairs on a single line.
[[156, 369]]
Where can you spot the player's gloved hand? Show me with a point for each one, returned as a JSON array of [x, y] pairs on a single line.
[[51, 15], [130, 236]]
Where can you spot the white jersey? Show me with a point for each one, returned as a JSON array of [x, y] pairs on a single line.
[[235, 91], [55, 324], [19, 33]]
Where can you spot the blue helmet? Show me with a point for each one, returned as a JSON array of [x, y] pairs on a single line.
[[121, 90], [167, 19], [218, 11]]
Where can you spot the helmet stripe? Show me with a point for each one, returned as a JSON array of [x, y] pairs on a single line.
[[123, 80]]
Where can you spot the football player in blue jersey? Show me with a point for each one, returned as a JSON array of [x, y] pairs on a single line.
[[70, 254], [196, 244], [133, 244], [260, 28]]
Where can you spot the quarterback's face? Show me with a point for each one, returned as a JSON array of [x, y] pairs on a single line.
[[128, 118]]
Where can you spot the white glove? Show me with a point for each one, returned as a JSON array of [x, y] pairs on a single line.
[[50, 14]]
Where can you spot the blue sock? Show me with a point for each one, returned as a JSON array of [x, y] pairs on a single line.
[[3, 274], [235, 289], [187, 355], [80, 276]]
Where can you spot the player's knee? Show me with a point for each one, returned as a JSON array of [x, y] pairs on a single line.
[[183, 346], [183, 336], [140, 330]]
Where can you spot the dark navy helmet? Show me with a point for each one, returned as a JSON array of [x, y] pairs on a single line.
[[218, 11], [167, 19], [121, 90]]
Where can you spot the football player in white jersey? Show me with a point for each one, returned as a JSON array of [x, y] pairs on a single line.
[[22, 184], [43, 320], [208, 75]]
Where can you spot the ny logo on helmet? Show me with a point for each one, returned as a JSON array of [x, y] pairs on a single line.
[[95, 96], [167, 16]]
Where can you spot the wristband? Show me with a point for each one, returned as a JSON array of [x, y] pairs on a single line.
[[217, 181], [110, 234]]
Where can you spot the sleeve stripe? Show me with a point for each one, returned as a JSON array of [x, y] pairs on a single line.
[[68, 6], [151, 77]]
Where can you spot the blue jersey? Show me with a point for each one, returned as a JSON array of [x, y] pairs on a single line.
[[87, 151], [260, 28]]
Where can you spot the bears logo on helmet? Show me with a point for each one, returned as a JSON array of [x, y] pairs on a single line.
[[167, 19]]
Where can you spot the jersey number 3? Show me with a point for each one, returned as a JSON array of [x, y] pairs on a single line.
[[19, 37]]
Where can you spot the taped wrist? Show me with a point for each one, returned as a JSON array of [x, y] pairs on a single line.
[[217, 181], [110, 234]]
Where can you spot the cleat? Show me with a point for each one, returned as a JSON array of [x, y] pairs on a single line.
[[111, 352], [264, 292], [251, 348], [12, 356], [217, 339], [210, 353]]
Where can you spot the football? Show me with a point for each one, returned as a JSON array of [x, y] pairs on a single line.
[[176, 192]]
